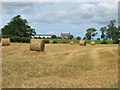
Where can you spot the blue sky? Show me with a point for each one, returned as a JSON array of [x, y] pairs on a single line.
[[56, 17]]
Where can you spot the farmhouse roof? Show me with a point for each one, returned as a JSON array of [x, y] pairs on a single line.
[[43, 34]]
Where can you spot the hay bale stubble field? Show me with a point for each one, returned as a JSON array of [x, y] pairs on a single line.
[[60, 65]]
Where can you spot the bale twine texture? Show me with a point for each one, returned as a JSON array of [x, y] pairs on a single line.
[[5, 41], [37, 45], [82, 43]]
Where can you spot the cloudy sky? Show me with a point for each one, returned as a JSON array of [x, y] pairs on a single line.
[[56, 17]]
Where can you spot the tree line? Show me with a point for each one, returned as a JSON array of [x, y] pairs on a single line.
[[19, 27], [109, 32]]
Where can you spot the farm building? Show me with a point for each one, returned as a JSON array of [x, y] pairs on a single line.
[[65, 35], [42, 36]]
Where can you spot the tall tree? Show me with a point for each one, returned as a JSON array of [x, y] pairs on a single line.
[[113, 32], [116, 35], [18, 27], [103, 33], [90, 33], [111, 26]]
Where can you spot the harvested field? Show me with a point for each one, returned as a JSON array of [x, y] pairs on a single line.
[[60, 66]]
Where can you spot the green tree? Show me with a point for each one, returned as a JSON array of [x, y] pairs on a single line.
[[18, 27], [59, 37], [78, 38], [84, 38], [54, 37], [111, 28], [113, 32], [90, 33], [43, 37], [116, 35], [71, 37], [98, 38], [103, 33]]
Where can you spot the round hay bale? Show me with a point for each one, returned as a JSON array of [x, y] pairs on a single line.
[[51, 41], [37, 45], [71, 42], [92, 42], [5, 41], [82, 43]]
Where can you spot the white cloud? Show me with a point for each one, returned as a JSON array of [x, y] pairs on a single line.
[[15, 7], [59, 0], [86, 13], [21, 7], [42, 3]]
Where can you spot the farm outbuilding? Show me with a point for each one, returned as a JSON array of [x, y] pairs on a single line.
[[65, 35], [42, 36]]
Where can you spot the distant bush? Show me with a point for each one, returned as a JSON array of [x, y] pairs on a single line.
[[55, 42], [46, 41], [104, 42], [64, 42], [17, 38], [20, 39], [6, 36], [13, 39], [25, 40], [116, 41], [98, 38], [78, 38], [35, 38]]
